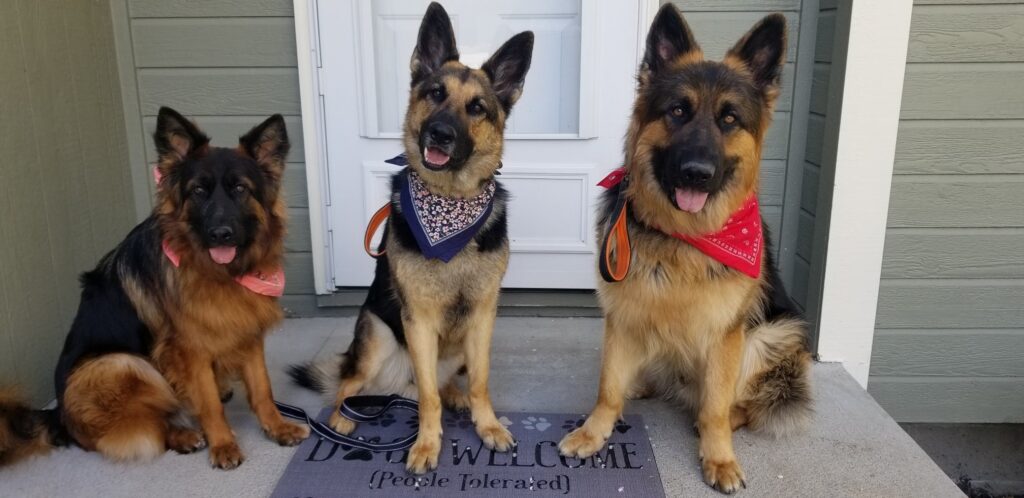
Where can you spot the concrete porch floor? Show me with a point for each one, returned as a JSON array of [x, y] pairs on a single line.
[[543, 364]]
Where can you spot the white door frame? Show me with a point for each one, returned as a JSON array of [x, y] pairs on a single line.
[[872, 88]]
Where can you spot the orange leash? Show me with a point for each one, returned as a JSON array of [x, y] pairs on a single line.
[[376, 221], [615, 271]]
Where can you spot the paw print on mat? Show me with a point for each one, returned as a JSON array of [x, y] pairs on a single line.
[[461, 420], [505, 421], [539, 424], [358, 453], [384, 421], [413, 422], [622, 427], [573, 424]]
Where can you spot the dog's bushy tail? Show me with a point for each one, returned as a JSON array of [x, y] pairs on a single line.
[[24, 432], [322, 376], [776, 366]]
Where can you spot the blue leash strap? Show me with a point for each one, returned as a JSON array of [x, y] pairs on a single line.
[[352, 408]]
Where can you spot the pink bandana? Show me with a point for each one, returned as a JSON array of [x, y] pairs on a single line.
[[737, 245], [271, 284]]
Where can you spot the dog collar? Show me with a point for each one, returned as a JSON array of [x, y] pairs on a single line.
[[268, 284], [738, 244]]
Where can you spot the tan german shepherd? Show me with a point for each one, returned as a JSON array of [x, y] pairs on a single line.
[[726, 342], [173, 313], [425, 320]]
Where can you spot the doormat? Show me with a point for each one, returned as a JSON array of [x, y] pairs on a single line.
[[624, 467]]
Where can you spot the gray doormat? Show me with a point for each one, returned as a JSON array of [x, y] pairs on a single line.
[[625, 467]]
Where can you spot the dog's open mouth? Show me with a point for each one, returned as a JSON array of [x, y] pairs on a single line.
[[434, 158], [690, 200], [223, 255]]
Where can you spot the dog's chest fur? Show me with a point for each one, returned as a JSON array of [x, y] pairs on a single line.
[[452, 290], [687, 297], [215, 316]]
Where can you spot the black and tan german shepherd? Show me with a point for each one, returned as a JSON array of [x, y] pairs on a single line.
[[425, 320], [165, 322], [727, 343]]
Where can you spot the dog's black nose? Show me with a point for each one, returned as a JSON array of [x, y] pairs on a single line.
[[441, 133], [221, 235], [696, 174]]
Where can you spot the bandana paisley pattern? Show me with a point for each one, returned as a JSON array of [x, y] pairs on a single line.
[[443, 217], [442, 225]]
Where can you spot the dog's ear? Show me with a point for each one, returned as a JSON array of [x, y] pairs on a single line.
[[763, 51], [435, 44], [668, 39], [176, 137], [508, 66], [268, 145], [267, 142]]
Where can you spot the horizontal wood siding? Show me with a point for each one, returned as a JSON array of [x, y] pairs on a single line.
[[228, 64], [65, 187], [948, 332], [813, 160]]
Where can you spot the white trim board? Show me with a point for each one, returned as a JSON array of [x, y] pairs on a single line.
[[872, 86], [307, 47]]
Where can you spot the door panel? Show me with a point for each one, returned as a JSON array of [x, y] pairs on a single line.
[[563, 135]]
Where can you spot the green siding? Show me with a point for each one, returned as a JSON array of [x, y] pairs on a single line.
[[804, 262], [228, 64], [65, 190], [951, 303]]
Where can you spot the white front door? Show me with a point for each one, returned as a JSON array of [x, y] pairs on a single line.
[[564, 134]]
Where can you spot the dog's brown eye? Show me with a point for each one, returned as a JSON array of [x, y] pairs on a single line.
[[239, 189], [678, 111], [198, 191], [729, 119], [475, 109], [437, 94]]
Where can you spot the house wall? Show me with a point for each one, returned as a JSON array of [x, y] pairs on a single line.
[[806, 275], [227, 64], [65, 193], [949, 336]]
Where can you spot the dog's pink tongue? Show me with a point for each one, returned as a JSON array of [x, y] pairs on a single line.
[[435, 156], [222, 255], [690, 200]]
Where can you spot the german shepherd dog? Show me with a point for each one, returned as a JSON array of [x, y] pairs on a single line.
[[728, 345], [424, 320], [155, 343]]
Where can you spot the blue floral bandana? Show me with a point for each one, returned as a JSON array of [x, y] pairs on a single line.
[[442, 225]]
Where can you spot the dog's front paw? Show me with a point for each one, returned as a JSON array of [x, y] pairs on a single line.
[[287, 433], [423, 455], [226, 456], [495, 436], [184, 440], [341, 424], [581, 443], [725, 476]]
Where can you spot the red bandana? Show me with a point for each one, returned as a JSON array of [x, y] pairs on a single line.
[[737, 245], [261, 283]]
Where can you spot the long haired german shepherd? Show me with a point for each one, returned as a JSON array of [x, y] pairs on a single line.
[[425, 320], [164, 323], [728, 344]]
